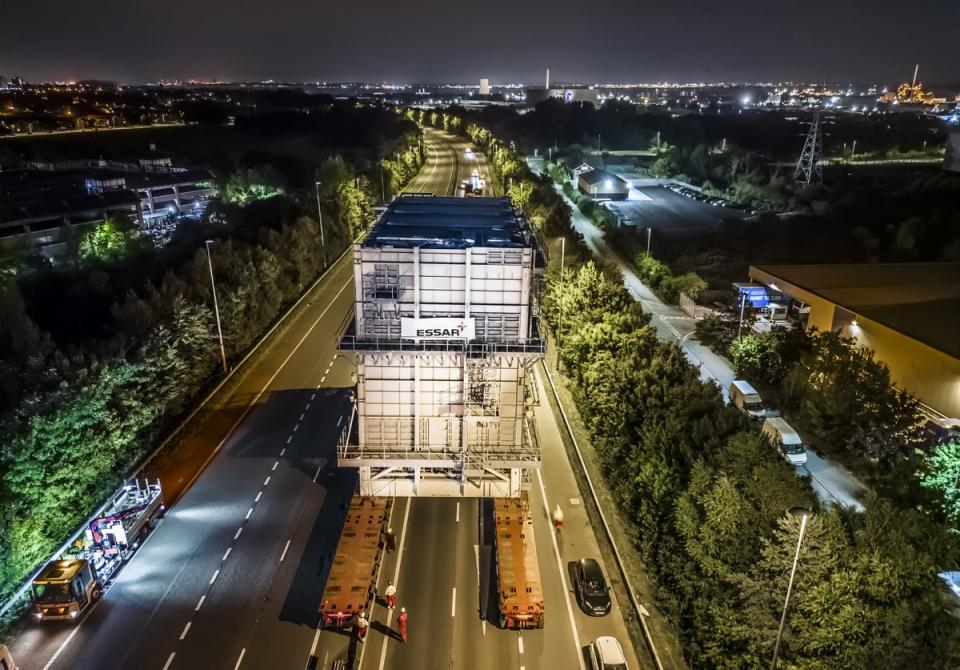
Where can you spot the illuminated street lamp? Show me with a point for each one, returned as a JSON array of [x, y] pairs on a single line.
[[216, 307], [804, 515]]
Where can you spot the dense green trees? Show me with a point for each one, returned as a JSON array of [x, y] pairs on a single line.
[[707, 496], [80, 406]]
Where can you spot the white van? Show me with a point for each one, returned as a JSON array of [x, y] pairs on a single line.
[[746, 399], [6, 660], [786, 439]]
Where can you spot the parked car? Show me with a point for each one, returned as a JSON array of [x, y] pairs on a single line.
[[607, 654], [782, 435], [591, 588], [746, 399]]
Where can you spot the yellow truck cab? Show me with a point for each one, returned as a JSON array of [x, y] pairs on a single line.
[[63, 589]]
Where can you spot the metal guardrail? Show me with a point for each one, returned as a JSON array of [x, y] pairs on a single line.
[[638, 608], [25, 586]]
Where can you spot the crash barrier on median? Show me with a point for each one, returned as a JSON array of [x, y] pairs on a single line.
[[640, 611]]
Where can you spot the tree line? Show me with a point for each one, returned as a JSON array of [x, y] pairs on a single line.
[[98, 358], [707, 496]]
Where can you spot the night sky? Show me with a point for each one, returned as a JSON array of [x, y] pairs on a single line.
[[505, 40]]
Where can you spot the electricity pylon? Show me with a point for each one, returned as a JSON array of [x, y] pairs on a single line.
[[808, 169]]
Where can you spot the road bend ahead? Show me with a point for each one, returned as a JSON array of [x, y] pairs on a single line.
[[233, 575]]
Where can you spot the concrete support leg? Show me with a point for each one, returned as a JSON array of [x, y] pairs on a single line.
[[516, 481], [366, 482]]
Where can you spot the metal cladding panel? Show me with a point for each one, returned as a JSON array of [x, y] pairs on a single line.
[[518, 571]]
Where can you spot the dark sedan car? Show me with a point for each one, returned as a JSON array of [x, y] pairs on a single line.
[[591, 588]]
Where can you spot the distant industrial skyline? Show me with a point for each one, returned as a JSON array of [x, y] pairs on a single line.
[[748, 41]]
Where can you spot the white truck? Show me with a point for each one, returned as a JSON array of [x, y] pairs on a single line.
[[746, 399], [787, 441]]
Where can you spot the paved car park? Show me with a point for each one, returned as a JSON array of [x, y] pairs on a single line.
[[663, 209]]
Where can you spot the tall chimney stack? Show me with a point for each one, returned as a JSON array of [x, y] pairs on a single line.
[[547, 84]]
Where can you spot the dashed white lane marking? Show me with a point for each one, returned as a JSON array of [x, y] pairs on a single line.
[[169, 660], [339, 421], [319, 385], [296, 428], [216, 573], [282, 452], [453, 602], [317, 473], [259, 495], [284, 554], [186, 629], [520, 643], [289, 438], [249, 512], [313, 395], [239, 530], [226, 553], [323, 379], [199, 604], [302, 414], [240, 660], [275, 466], [458, 512], [306, 407], [266, 481]]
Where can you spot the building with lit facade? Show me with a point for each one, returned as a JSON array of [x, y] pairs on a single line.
[[907, 313]]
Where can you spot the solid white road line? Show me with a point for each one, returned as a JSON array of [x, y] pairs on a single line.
[[239, 530], [186, 629], [199, 604], [216, 573], [396, 578], [226, 553], [563, 577], [256, 399], [284, 554], [453, 602], [169, 660], [259, 495], [240, 660]]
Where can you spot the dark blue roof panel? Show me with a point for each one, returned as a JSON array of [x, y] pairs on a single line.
[[449, 223]]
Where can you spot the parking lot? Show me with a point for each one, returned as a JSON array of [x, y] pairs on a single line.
[[664, 210]]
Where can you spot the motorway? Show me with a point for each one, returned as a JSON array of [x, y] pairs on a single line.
[[233, 575]]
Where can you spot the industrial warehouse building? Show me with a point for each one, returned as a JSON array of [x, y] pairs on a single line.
[[603, 185], [444, 335], [907, 313]]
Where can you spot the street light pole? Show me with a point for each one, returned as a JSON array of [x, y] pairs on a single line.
[[563, 248], [323, 244], [853, 150], [786, 602], [743, 304], [216, 306]]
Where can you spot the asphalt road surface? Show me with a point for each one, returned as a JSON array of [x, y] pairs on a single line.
[[233, 576], [667, 211], [833, 483]]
